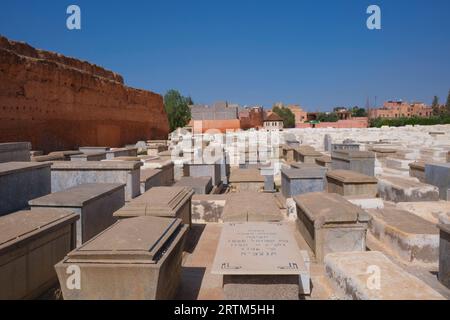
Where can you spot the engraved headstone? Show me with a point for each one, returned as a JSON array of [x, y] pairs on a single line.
[[252, 254]]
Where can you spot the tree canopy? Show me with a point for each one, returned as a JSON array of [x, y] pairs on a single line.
[[177, 109], [287, 116]]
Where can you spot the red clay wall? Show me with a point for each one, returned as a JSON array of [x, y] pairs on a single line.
[[60, 103]]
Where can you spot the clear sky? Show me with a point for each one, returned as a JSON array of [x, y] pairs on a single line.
[[318, 54]]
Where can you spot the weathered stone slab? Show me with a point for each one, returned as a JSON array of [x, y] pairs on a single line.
[[299, 181], [121, 152], [91, 156], [438, 174], [150, 178], [345, 146], [208, 208], [31, 243], [95, 203], [359, 161], [306, 154], [428, 210], [204, 170], [20, 182], [417, 170], [351, 183], [66, 155], [383, 152], [135, 259], [69, 174], [411, 238], [251, 206], [15, 152], [201, 185], [246, 180], [399, 189], [169, 202], [324, 161], [167, 167], [288, 153], [94, 149], [366, 202], [327, 143], [47, 158], [153, 150], [329, 223], [261, 261], [352, 273]]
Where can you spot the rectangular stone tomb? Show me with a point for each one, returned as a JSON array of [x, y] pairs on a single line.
[[15, 152], [246, 180], [168, 202], [444, 252], [31, 243], [20, 182], [417, 170], [135, 259], [204, 170], [352, 275], [299, 181], [438, 174], [359, 161], [93, 149], [411, 238], [95, 203], [251, 206], [66, 175], [351, 183], [324, 161], [121, 152], [261, 261], [306, 154], [383, 152], [167, 167], [150, 178], [64, 155], [288, 153], [201, 185], [397, 189], [345, 146], [329, 223], [97, 156], [153, 150]]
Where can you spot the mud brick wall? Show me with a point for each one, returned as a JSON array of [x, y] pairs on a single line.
[[61, 103]]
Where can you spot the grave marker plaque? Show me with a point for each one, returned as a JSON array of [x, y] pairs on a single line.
[[253, 254]]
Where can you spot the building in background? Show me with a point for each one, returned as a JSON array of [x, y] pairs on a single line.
[[301, 116], [401, 109], [273, 122]]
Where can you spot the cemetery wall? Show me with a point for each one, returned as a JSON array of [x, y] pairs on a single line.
[[58, 103]]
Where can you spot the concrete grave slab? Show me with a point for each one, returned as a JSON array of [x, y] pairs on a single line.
[[351, 183], [352, 274], [261, 261], [31, 243], [70, 174], [411, 238], [169, 202], [329, 223], [95, 203], [399, 189], [135, 259], [252, 207], [20, 182], [15, 152]]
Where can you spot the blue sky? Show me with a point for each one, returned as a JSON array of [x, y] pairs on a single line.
[[318, 54]]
